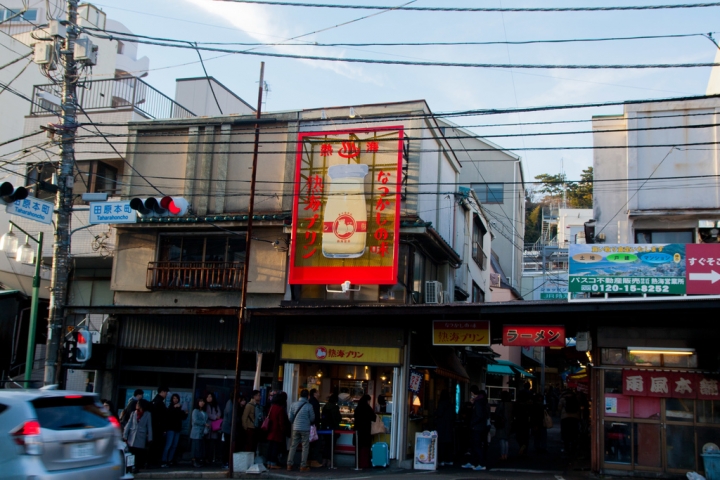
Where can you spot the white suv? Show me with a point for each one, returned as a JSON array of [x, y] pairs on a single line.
[[57, 435]]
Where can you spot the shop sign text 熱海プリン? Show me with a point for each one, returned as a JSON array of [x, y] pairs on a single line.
[[346, 210], [461, 333], [341, 354]]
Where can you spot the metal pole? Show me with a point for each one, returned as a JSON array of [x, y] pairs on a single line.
[[30, 357], [63, 203], [242, 315], [357, 454]]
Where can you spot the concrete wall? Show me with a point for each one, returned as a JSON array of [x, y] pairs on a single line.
[[196, 95], [571, 221]]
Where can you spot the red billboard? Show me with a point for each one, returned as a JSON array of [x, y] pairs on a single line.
[[531, 336], [346, 209]]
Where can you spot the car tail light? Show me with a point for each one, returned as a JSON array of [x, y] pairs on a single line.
[[28, 436], [114, 422]]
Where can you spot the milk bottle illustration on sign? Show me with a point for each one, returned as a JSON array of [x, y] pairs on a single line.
[[345, 218]]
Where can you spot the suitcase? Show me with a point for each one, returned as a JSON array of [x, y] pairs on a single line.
[[380, 455]]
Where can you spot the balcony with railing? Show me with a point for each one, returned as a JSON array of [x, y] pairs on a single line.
[[195, 276], [114, 93], [479, 256]]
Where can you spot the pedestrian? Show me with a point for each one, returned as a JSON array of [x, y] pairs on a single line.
[[381, 406], [479, 425], [569, 408], [130, 407], [537, 424], [212, 439], [503, 423], [301, 417], [330, 420], [316, 447], [108, 407], [444, 422], [226, 430], [277, 429], [175, 416], [138, 433], [160, 420], [251, 421], [364, 417], [199, 427], [521, 420]]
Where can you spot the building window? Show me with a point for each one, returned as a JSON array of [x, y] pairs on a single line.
[[120, 47], [194, 262], [478, 253], [105, 178], [489, 192], [478, 296], [29, 16], [36, 173], [664, 236]]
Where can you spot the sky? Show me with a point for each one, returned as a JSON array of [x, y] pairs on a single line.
[[297, 84]]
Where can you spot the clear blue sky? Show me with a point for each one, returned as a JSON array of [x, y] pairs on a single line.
[[298, 84]]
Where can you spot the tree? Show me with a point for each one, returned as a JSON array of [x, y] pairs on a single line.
[[580, 194], [577, 194]]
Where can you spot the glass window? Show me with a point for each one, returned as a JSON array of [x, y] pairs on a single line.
[[170, 248], [236, 248], [105, 178], [645, 359], [613, 381], [664, 236], [683, 361], [40, 172], [613, 356], [680, 447], [478, 296], [65, 413], [647, 444], [617, 405], [418, 276], [708, 411], [489, 192], [215, 249], [193, 249], [617, 442], [679, 409]]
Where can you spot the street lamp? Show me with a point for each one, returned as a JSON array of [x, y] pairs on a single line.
[[24, 254]]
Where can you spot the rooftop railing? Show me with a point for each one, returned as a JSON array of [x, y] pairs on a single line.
[[126, 92]]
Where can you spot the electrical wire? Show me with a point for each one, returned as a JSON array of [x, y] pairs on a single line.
[[164, 43], [483, 9]]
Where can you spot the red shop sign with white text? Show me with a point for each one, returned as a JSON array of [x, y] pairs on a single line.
[[669, 384], [346, 210], [526, 336]]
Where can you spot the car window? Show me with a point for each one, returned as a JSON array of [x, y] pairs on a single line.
[[2, 408], [69, 413]]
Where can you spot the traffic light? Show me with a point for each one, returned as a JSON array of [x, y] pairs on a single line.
[[160, 207], [83, 350], [10, 194]]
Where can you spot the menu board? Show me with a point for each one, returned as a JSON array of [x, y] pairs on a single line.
[[426, 446]]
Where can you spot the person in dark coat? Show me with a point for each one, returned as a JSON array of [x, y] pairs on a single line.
[[503, 423], [479, 426], [521, 422], [130, 407], [444, 422], [364, 416], [278, 429], [537, 424], [330, 420], [159, 417], [175, 417], [138, 432]]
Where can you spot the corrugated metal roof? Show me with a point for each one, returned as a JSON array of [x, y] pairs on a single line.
[[195, 333]]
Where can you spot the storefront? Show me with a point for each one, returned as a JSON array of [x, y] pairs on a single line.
[[350, 362], [656, 404]]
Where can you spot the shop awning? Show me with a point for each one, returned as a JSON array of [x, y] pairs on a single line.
[[513, 367], [448, 364], [500, 370]]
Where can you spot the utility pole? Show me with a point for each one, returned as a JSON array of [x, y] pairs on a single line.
[[63, 201], [242, 315]]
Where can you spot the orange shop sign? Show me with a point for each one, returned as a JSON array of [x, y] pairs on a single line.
[[461, 332], [341, 354], [346, 209]]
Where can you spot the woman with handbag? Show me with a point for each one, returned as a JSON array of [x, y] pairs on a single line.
[[138, 433], [212, 439], [276, 425], [198, 426], [364, 417]]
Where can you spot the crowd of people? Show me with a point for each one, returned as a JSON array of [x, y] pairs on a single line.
[[152, 429], [526, 419]]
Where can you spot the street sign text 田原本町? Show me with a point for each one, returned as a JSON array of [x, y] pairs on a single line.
[[346, 211]]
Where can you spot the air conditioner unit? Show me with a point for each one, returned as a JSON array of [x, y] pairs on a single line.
[[433, 292]]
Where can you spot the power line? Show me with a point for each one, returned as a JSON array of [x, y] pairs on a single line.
[[163, 42], [484, 9]]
